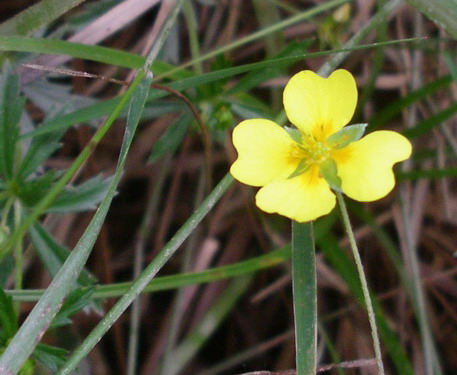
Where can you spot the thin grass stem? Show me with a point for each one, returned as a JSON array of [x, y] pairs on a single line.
[[364, 283]]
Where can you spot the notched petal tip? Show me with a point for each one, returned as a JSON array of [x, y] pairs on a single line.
[[263, 152], [320, 106], [302, 198], [365, 166]]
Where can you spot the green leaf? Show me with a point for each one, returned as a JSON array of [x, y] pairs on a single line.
[[346, 135], [37, 16], [304, 287], [6, 268], [329, 171], [431, 122], [11, 105], [51, 356], [171, 138], [83, 197], [442, 12], [53, 254], [75, 302], [395, 108], [31, 192], [40, 149], [294, 134], [302, 167], [8, 318]]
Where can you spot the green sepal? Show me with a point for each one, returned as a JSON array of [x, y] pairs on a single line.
[[346, 135], [294, 134], [329, 172], [301, 168]]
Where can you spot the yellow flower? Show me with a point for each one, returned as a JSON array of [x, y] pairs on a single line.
[[298, 168]]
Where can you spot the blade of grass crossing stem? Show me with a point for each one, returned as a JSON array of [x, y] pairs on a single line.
[[31, 331], [146, 276], [305, 297]]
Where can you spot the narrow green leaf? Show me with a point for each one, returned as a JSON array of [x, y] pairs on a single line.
[[83, 197], [302, 167], [37, 16], [11, 105], [171, 138], [305, 297], [75, 302], [8, 318], [171, 282], [32, 191], [51, 356], [428, 124], [432, 173], [294, 134], [329, 171], [442, 12], [83, 51], [40, 149], [395, 108], [53, 255]]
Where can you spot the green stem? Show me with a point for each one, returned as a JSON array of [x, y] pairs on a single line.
[[363, 281], [305, 297], [170, 282], [18, 252], [6, 211]]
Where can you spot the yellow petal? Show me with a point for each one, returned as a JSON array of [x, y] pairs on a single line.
[[320, 106], [265, 152], [302, 198], [365, 166]]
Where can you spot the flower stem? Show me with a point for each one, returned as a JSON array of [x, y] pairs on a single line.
[[18, 256], [305, 297], [363, 281]]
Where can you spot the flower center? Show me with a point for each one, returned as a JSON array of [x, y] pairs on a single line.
[[313, 150]]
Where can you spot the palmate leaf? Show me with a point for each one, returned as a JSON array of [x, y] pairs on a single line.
[[11, 105]]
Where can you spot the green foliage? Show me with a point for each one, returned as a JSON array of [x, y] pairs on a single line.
[[11, 105]]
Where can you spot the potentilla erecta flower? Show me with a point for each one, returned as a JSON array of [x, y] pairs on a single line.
[[297, 168]]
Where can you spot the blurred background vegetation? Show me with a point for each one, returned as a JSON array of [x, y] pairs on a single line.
[[67, 68]]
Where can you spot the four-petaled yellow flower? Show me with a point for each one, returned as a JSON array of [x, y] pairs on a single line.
[[297, 168]]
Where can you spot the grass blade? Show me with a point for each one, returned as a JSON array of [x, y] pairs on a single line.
[[305, 297], [37, 16]]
